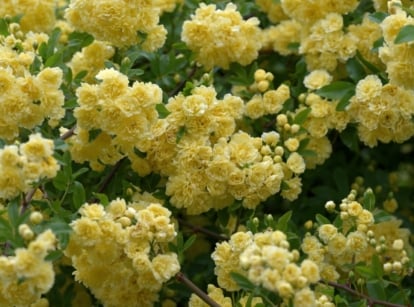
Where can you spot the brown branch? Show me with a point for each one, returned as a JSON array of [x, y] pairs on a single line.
[[26, 200], [108, 178], [198, 229], [200, 293], [181, 85], [68, 133], [371, 301]]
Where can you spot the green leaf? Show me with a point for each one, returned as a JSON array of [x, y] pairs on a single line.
[[322, 219], [405, 35], [368, 200], [283, 221], [180, 133], [78, 196], [79, 172], [139, 153], [54, 255], [4, 27], [376, 289], [60, 181], [364, 271], [377, 17], [93, 134], [13, 211], [134, 73], [242, 281], [382, 216], [162, 110], [349, 138], [189, 242], [400, 297], [55, 60], [188, 88], [345, 100], [79, 39], [301, 116], [377, 266], [355, 70], [103, 198], [336, 90]]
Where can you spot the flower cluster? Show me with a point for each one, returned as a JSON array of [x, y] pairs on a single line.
[[314, 29], [265, 259], [218, 296], [25, 276], [91, 59], [398, 58], [220, 37], [119, 22], [37, 15], [382, 112], [113, 119], [267, 101], [357, 240], [120, 252], [26, 99], [327, 43], [23, 165], [308, 12], [211, 165], [270, 262], [273, 10]]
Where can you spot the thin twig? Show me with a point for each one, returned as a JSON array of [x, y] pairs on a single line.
[[108, 178], [26, 200], [200, 293], [68, 133], [181, 85], [372, 301], [198, 229]]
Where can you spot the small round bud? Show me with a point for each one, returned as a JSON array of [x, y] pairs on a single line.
[[302, 97], [25, 232], [279, 150], [277, 159], [362, 228], [281, 119], [36, 217], [398, 245], [387, 267], [262, 86], [309, 224], [397, 266], [259, 75], [330, 206], [124, 221], [295, 128], [286, 127], [344, 215]]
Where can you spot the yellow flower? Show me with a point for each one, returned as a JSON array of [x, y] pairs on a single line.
[[304, 297], [317, 79], [118, 22], [219, 37], [368, 88], [310, 270], [296, 163]]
